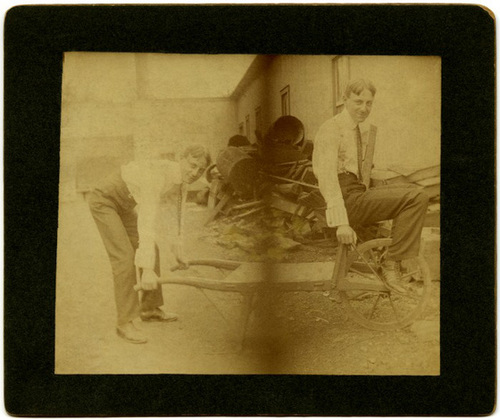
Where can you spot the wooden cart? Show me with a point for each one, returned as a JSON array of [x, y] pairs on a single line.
[[355, 275]]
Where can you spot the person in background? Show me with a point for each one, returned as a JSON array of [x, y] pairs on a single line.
[[337, 162], [127, 207]]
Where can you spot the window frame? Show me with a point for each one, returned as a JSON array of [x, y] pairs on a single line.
[[340, 76], [285, 101]]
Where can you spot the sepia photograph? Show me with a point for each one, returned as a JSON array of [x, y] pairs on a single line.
[[235, 210], [249, 214]]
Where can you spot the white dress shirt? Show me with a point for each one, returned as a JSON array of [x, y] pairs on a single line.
[[155, 185], [335, 152]]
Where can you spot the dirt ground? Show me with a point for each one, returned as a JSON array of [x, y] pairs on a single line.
[[289, 333]]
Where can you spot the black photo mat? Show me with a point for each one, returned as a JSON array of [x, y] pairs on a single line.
[[36, 38]]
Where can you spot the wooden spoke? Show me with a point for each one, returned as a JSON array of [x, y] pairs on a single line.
[[394, 308], [411, 273], [373, 308]]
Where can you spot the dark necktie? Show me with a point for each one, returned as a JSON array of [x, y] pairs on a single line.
[[360, 153]]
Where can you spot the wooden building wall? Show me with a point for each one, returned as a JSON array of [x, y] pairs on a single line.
[[407, 108], [113, 112]]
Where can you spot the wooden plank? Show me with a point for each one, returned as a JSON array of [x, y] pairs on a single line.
[[213, 262], [384, 174], [288, 189], [429, 181], [284, 205], [431, 172], [218, 208], [304, 184], [215, 187], [247, 205], [281, 273], [414, 174], [293, 162], [249, 212]]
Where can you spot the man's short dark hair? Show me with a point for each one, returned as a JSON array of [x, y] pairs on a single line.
[[359, 85], [197, 151]]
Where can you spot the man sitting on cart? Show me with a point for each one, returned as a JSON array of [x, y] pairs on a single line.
[[337, 162]]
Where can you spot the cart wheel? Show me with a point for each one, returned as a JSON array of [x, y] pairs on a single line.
[[370, 302]]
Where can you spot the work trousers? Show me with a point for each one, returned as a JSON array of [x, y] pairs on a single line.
[[406, 205], [113, 210]]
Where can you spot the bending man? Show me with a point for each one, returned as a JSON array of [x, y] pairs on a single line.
[[126, 208]]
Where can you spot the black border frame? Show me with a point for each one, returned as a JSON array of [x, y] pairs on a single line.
[[36, 37]]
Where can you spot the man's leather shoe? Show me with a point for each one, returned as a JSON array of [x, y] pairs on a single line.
[[391, 271], [130, 333], [157, 315]]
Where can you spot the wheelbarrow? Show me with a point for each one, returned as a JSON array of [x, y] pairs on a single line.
[[355, 275]]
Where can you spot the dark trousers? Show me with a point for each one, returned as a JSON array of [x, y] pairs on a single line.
[[405, 205], [112, 208]]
